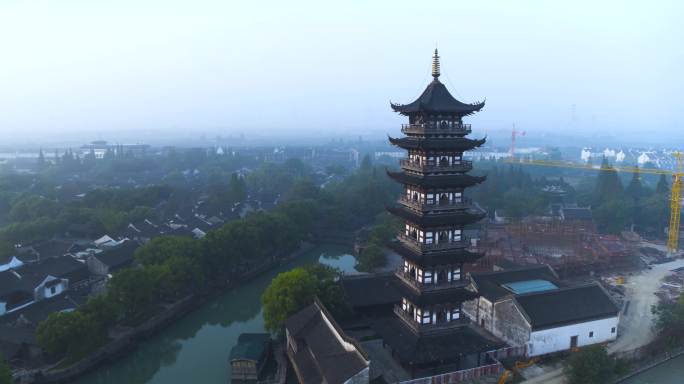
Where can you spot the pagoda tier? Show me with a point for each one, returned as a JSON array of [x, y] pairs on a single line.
[[438, 220], [438, 182], [436, 258], [454, 144]]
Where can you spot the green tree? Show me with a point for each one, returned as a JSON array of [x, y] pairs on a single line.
[[371, 257], [5, 372], [635, 189], [6, 250], [287, 293], [669, 322], [591, 365], [237, 189], [662, 188], [133, 290], [608, 185], [159, 249]]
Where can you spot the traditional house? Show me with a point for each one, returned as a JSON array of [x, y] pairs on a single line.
[[36, 282], [531, 307], [112, 259], [248, 357], [320, 352]]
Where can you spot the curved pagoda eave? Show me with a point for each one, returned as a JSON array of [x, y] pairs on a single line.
[[437, 297], [453, 144], [437, 258], [436, 99], [437, 220], [437, 181]]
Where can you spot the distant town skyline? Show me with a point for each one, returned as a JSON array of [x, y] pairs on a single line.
[[77, 67]]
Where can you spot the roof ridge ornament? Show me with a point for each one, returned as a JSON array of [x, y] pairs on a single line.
[[435, 65]]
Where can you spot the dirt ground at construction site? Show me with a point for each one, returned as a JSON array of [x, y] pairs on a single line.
[[636, 321]]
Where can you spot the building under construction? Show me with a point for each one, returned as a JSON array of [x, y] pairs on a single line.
[[569, 244]]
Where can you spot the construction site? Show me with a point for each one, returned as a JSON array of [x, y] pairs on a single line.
[[571, 247]]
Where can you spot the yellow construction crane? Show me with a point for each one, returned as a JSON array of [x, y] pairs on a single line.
[[676, 194]]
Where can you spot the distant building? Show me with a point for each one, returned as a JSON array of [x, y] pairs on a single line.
[[320, 352]]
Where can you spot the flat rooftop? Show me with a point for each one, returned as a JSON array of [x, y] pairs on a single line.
[[528, 286]]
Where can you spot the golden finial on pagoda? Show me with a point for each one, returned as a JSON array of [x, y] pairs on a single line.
[[435, 64]]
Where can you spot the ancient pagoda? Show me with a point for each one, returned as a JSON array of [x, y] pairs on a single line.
[[417, 311], [435, 211]]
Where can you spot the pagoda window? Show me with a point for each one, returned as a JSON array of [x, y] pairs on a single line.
[[406, 266], [456, 274], [404, 305], [413, 273], [429, 237], [457, 159], [443, 237], [426, 317], [455, 314], [419, 315], [415, 196], [419, 275], [458, 197], [430, 198], [457, 235], [444, 161], [427, 279]]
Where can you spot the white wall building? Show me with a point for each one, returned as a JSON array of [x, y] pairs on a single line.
[[531, 307]]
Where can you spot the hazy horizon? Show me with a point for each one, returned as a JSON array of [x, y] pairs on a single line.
[[77, 68]]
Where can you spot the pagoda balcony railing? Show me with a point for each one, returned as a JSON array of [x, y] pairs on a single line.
[[421, 247], [465, 203], [437, 128], [427, 329], [410, 165], [425, 287]]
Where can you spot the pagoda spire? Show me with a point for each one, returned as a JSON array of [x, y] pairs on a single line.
[[435, 65]]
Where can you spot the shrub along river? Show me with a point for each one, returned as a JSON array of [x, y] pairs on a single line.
[[195, 349]]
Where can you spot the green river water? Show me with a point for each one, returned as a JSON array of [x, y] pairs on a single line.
[[195, 349], [669, 372]]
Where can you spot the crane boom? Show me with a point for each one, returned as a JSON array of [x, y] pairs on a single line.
[[676, 193]]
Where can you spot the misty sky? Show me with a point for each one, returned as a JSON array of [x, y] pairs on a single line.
[[263, 67]]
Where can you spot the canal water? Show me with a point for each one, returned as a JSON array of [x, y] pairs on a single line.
[[195, 349], [669, 372]]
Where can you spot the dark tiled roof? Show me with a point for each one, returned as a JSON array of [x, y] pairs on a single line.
[[448, 181], [453, 144], [412, 349], [52, 248], [9, 282], [324, 353], [39, 311], [436, 98], [64, 267], [371, 290], [119, 256], [567, 306], [489, 284], [437, 220]]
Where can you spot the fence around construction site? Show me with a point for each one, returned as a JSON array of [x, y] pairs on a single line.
[[496, 368]]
